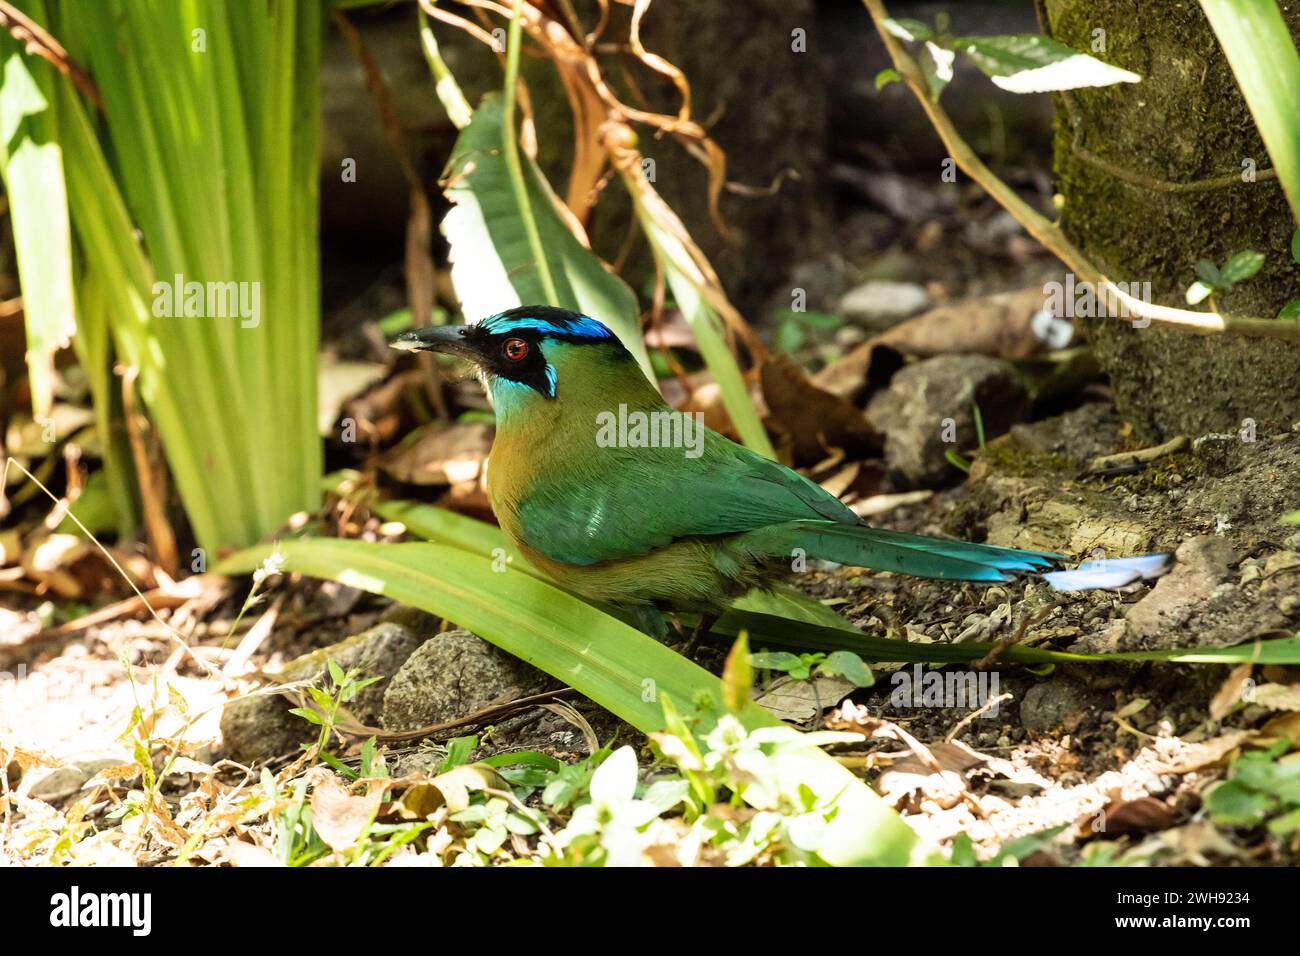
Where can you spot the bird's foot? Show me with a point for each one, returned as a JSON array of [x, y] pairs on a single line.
[[700, 631]]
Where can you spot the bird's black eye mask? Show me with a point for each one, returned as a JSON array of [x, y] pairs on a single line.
[[508, 346], [515, 356]]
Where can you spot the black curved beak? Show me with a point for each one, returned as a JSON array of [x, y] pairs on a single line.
[[450, 339]]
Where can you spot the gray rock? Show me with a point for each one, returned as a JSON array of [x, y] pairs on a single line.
[[1201, 566], [880, 303], [1056, 703], [261, 727], [453, 675], [66, 781], [913, 413]]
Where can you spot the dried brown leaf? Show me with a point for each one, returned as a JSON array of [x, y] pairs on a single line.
[[1234, 685], [340, 817]]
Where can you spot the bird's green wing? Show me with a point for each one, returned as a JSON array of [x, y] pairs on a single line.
[[623, 502]]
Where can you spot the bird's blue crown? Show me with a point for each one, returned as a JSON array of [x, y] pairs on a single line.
[[545, 320]]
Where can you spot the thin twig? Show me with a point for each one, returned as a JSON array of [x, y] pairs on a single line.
[[489, 713], [1119, 303], [36, 40], [965, 721], [152, 481]]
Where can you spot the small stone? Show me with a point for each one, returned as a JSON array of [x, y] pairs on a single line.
[[67, 781], [881, 303], [1056, 703], [1201, 566], [1289, 604], [847, 336], [1280, 570], [927, 411], [451, 676], [1250, 572]]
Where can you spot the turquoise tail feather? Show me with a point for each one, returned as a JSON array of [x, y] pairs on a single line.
[[897, 551]]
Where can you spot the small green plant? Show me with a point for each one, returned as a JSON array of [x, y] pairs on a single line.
[[1214, 280], [1263, 788], [793, 327], [844, 664], [953, 456], [343, 689]]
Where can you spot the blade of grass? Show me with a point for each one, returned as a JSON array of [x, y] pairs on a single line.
[[449, 93], [94, 354], [31, 159], [1258, 44], [698, 295], [613, 664]]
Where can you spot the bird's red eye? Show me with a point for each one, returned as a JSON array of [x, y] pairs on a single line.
[[516, 350]]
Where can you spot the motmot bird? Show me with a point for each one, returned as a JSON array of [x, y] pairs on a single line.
[[648, 525]]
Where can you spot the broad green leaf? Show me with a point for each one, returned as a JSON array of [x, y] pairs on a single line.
[[31, 159], [775, 660], [1285, 824], [1029, 63], [1241, 266], [848, 665], [785, 601], [614, 665], [1290, 311], [1232, 802], [1258, 44], [492, 263], [1208, 271], [1295, 247]]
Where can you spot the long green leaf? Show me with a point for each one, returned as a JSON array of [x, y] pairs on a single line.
[[492, 263], [613, 664], [664, 230], [94, 353], [1263, 56], [31, 159]]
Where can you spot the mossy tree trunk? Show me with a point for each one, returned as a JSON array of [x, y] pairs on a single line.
[[1124, 158]]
